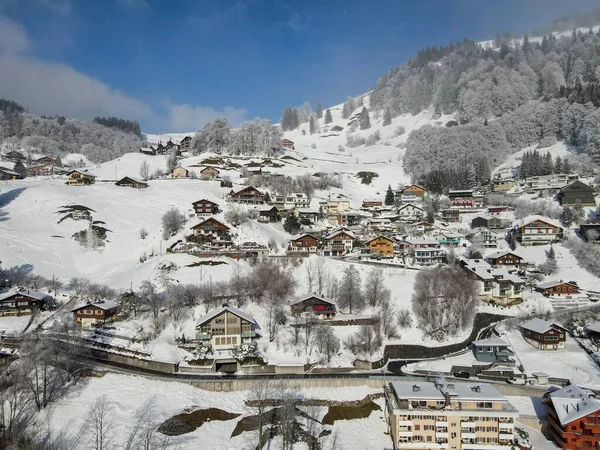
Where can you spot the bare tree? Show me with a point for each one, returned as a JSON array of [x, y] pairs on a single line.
[[387, 319], [350, 295], [321, 275], [237, 286], [375, 290], [145, 170], [143, 233], [310, 273], [260, 394], [78, 285], [364, 342], [101, 421], [326, 340], [404, 318], [276, 319], [172, 222]]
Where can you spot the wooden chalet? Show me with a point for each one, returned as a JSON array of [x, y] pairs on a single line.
[[339, 242], [539, 231], [503, 185], [558, 289], [212, 227], [497, 210], [209, 173], [150, 151], [372, 203], [303, 243], [590, 232], [38, 170], [205, 207], [286, 143], [47, 160], [269, 214], [180, 172], [96, 313], [479, 222], [505, 259], [14, 156], [544, 335], [226, 328], [161, 149], [593, 331], [381, 246], [7, 174], [131, 182], [314, 306], [450, 215], [248, 195], [23, 302], [186, 143], [78, 178], [577, 192], [413, 190], [462, 199]]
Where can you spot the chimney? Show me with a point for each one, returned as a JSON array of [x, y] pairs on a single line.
[[416, 388], [476, 388]]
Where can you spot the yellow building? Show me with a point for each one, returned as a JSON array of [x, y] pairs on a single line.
[[180, 172], [447, 415]]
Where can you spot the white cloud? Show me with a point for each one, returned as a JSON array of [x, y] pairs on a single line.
[[185, 117], [13, 37]]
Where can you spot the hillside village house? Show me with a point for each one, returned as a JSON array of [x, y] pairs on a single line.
[[303, 243], [423, 227], [428, 256], [497, 285], [448, 415], [593, 331], [131, 182], [503, 185], [496, 223], [7, 174], [209, 173], [493, 350], [379, 223], [213, 232], [486, 237], [248, 195], [314, 306], [269, 214], [462, 199], [14, 156], [479, 222], [381, 246], [293, 200], [544, 335], [590, 232], [150, 151], [410, 212], [205, 207], [372, 204], [553, 181], [37, 170], [539, 231], [449, 239], [180, 172], [286, 143], [409, 194], [226, 328], [558, 289], [335, 206], [505, 259], [23, 302], [497, 210], [308, 216], [339, 242], [186, 143], [77, 178], [47, 160], [450, 215], [95, 313], [573, 416], [577, 192]]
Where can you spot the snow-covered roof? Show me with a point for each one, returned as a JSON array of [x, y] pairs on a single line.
[[538, 325], [427, 390], [301, 235], [381, 236], [308, 296], [572, 403], [411, 205], [133, 179], [502, 253], [341, 230], [421, 241], [217, 312], [527, 220], [595, 327], [26, 292], [106, 305], [493, 341], [8, 171], [550, 284], [307, 211]]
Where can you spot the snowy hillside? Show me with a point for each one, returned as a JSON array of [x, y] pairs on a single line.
[[538, 39]]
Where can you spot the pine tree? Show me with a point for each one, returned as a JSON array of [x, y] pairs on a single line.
[[566, 217], [292, 224], [566, 166], [512, 244], [365, 120], [387, 117], [328, 118], [312, 127], [389, 196], [20, 169], [558, 165], [319, 109]]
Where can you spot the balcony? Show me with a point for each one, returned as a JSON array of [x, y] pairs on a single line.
[[467, 424], [506, 425], [249, 334], [506, 437], [467, 435], [443, 435], [405, 433], [405, 423]]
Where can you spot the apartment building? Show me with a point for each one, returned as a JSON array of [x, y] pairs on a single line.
[[445, 415]]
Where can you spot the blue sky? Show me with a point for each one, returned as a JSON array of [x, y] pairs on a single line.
[[173, 65]]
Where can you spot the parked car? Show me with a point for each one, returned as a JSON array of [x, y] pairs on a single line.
[[462, 374]]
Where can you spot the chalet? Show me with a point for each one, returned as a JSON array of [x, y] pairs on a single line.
[[77, 178], [248, 195], [538, 231], [161, 149], [171, 144], [485, 237], [573, 418], [593, 331], [14, 156], [94, 314], [413, 190], [497, 285], [544, 335], [409, 244], [449, 239], [303, 243], [462, 199], [449, 215], [209, 173], [492, 350], [37, 170], [423, 227], [47, 161], [479, 222], [269, 214], [503, 185], [286, 143], [553, 181], [372, 203], [131, 182], [226, 328], [180, 172], [205, 207], [211, 232], [558, 289], [23, 302], [7, 174], [150, 151], [497, 210], [339, 242], [314, 306], [379, 223], [381, 246], [335, 206], [577, 193], [428, 256], [410, 212], [505, 259], [186, 143], [590, 232]]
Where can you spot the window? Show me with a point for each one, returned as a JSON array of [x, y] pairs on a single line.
[[98, 312], [491, 429], [428, 427], [417, 427], [452, 435]]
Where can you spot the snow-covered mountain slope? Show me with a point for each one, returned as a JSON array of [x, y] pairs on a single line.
[[538, 39]]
